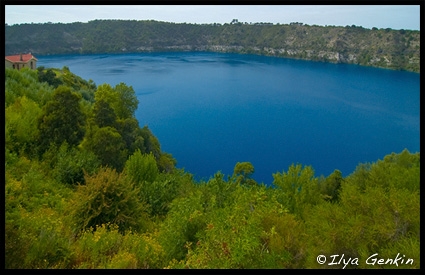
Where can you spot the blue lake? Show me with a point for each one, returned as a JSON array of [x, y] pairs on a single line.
[[213, 110]]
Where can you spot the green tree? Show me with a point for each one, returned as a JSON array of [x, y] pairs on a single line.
[[243, 172], [107, 144], [299, 188], [127, 101], [132, 134], [330, 186], [141, 168], [103, 114], [151, 143], [21, 125], [48, 76], [121, 98], [166, 162], [105, 92], [62, 119]]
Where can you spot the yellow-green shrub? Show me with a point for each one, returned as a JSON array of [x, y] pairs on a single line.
[[106, 247], [108, 197]]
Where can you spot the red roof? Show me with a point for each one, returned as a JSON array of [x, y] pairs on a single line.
[[17, 58]]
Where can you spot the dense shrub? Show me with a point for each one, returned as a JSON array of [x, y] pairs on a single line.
[[141, 168], [377, 213], [106, 247], [25, 83], [108, 197], [36, 235], [108, 146], [21, 125], [71, 164], [181, 226]]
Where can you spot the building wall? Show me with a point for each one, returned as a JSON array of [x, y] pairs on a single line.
[[8, 64], [34, 64], [20, 65]]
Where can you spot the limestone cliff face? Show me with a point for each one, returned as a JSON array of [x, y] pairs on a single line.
[[386, 48], [327, 56]]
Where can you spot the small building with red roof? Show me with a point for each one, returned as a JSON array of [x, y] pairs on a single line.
[[20, 61]]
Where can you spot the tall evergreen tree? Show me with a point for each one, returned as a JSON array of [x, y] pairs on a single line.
[[62, 119]]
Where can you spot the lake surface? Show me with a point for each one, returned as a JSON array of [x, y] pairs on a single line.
[[213, 110]]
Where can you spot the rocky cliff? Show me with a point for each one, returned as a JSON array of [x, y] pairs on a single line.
[[386, 48]]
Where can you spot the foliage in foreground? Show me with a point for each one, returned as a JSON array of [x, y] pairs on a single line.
[[67, 206]]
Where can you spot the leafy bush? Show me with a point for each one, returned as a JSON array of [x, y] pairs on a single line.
[[21, 124], [107, 144], [284, 239], [25, 83], [181, 226], [298, 188], [243, 172], [108, 197], [36, 235], [71, 164], [377, 213], [141, 168], [106, 247]]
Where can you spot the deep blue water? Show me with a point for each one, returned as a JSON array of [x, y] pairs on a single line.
[[213, 110]]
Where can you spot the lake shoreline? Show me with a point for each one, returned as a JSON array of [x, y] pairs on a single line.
[[244, 52], [235, 108]]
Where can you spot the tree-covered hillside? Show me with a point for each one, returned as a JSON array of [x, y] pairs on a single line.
[[86, 187], [386, 48]]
